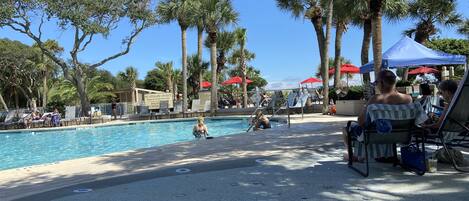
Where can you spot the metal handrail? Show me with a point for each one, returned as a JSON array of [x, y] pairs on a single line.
[[257, 108]]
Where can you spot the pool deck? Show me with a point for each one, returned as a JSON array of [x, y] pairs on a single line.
[[300, 163]]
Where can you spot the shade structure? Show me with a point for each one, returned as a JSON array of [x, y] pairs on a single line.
[[346, 68], [407, 52], [423, 70], [310, 80], [206, 84], [235, 80]]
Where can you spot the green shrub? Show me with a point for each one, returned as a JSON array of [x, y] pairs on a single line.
[[402, 83], [354, 93]]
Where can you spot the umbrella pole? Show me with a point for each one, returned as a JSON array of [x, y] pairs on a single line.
[[301, 100]]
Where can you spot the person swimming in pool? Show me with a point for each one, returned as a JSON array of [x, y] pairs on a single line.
[[200, 129], [261, 122]]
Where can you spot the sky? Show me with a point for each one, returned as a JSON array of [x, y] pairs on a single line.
[[286, 48]]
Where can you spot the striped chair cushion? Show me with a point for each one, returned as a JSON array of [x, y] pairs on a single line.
[[389, 112], [397, 112]]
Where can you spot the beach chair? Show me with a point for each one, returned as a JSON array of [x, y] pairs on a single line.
[[163, 110], [38, 123], [302, 99], [13, 119], [70, 115], [178, 107], [292, 98], [454, 131], [194, 108], [404, 121], [206, 106]]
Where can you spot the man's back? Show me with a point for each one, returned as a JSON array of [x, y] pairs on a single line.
[[392, 98]]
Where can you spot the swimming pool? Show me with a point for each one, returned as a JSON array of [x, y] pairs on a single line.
[[32, 148]]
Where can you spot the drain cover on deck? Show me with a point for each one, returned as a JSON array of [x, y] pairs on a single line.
[[83, 190], [262, 161], [183, 170]]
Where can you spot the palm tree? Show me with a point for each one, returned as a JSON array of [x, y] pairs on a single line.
[[361, 17], [429, 13], [217, 14], [130, 75], [47, 66], [198, 22], [225, 42], [196, 72], [241, 38], [464, 28], [341, 16], [176, 80], [315, 12], [166, 69], [97, 90], [376, 9], [181, 11]]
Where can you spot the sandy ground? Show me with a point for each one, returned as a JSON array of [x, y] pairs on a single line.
[[300, 163]]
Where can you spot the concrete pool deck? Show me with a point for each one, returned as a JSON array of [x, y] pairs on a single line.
[[301, 163]]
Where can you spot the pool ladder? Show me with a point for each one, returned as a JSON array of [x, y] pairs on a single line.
[[274, 112]]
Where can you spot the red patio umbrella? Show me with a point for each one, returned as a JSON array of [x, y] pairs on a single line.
[[206, 84], [346, 68], [235, 80], [310, 80], [423, 70]]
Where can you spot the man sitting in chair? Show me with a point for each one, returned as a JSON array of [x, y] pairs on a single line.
[[389, 95]]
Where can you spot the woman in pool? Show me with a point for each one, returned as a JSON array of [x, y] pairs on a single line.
[[200, 129]]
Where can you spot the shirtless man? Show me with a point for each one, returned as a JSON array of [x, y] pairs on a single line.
[[389, 95]]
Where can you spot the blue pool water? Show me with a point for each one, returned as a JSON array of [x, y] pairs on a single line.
[[31, 148]]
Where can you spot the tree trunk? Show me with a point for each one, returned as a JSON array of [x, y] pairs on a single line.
[[17, 99], [213, 62], [318, 27], [184, 70], [376, 7], [221, 59], [45, 90], [243, 74], [169, 82], [200, 40], [338, 45], [84, 100], [317, 23], [366, 48], [26, 94], [3, 103], [175, 92], [325, 58]]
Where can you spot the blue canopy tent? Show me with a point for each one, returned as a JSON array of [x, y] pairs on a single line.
[[407, 52]]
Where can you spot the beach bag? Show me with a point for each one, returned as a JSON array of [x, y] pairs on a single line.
[[442, 156], [413, 157]]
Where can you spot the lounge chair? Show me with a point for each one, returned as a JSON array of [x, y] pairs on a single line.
[[206, 106], [70, 116], [194, 109], [404, 120], [292, 98], [38, 123], [163, 110], [13, 119], [302, 99], [178, 107], [454, 131]]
